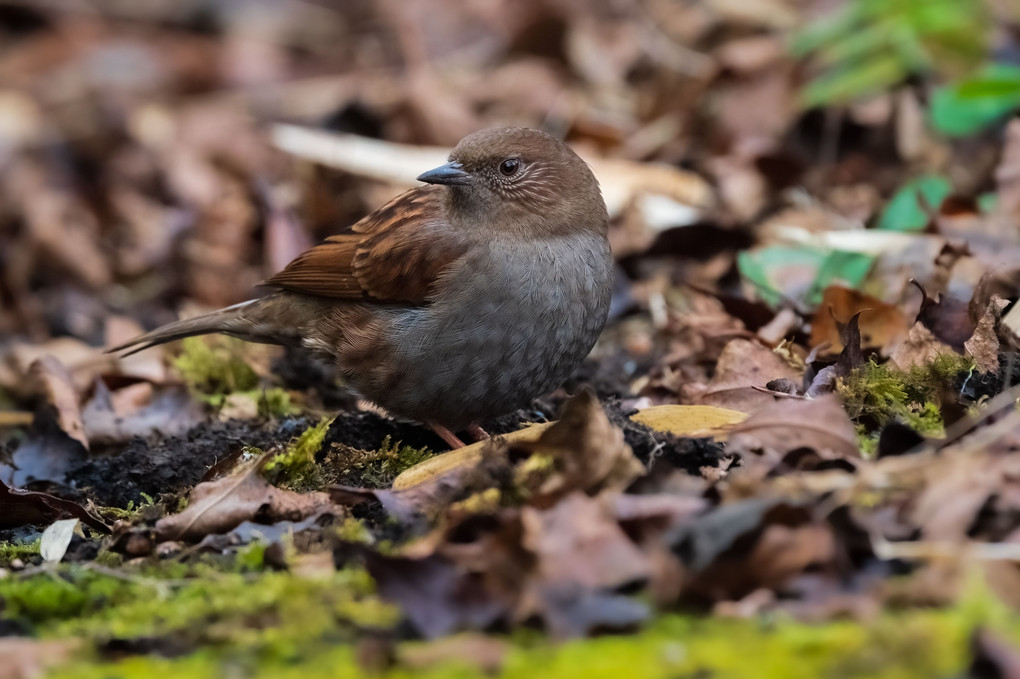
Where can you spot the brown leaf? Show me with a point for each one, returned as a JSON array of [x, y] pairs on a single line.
[[437, 595], [983, 345], [27, 508], [218, 506], [850, 358], [920, 347], [46, 454], [740, 547], [742, 365], [23, 658], [881, 324], [119, 417], [54, 383], [948, 318], [819, 424], [581, 557], [957, 488], [587, 450], [418, 503]]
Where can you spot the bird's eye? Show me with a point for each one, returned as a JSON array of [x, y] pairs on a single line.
[[509, 167]]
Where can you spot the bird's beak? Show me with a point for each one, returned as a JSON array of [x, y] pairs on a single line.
[[451, 173]]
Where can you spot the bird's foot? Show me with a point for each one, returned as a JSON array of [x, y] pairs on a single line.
[[477, 433], [447, 435]]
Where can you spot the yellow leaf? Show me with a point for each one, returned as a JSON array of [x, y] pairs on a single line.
[[441, 465], [691, 421]]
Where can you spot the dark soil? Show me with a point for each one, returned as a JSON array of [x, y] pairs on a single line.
[[172, 466]]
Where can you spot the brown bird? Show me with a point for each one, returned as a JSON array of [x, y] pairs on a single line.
[[455, 302]]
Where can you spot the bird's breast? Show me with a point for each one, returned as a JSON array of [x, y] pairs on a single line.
[[509, 323]]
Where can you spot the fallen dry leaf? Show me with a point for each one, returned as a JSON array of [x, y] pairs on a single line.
[[947, 317], [113, 418], [23, 658], [919, 348], [881, 324], [455, 460], [820, 424], [691, 421], [587, 451], [54, 383], [219, 506], [29, 508], [745, 364], [581, 558], [983, 345], [416, 504]]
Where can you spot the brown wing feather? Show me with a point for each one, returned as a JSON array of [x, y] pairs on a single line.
[[393, 255]]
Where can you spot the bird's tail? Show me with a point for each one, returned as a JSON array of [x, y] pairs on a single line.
[[263, 320]]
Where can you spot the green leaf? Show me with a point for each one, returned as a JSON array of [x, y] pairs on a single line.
[[800, 273], [848, 269], [975, 103], [763, 267], [1006, 88], [905, 211], [857, 81]]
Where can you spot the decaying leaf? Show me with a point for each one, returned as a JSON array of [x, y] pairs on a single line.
[[588, 452], [819, 424], [881, 324], [983, 345], [745, 364], [218, 506], [55, 384], [581, 558], [26, 508], [919, 348], [418, 503], [475, 650]]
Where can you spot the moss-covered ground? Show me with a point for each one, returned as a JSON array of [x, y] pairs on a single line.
[[238, 617]]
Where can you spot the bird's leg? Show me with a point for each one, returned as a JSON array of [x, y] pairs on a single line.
[[477, 433], [447, 435]]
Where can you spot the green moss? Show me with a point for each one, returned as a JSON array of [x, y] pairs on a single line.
[[251, 557], [373, 469], [268, 613], [296, 467], [354, 530], [876, 394], [132, 512], [215, 367], [215, 364], [895, 646], [276, 402], [9, 551], [277, 625]]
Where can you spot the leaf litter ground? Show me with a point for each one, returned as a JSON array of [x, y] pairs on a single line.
[[800, 458]]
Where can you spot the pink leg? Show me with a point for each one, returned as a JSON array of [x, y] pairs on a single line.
[[477, 433], [447, 435]]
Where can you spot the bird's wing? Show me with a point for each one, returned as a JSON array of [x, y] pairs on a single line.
[[393, 255]]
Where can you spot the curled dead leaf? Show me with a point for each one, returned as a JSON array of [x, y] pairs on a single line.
[[820, 424], [219, 506]]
